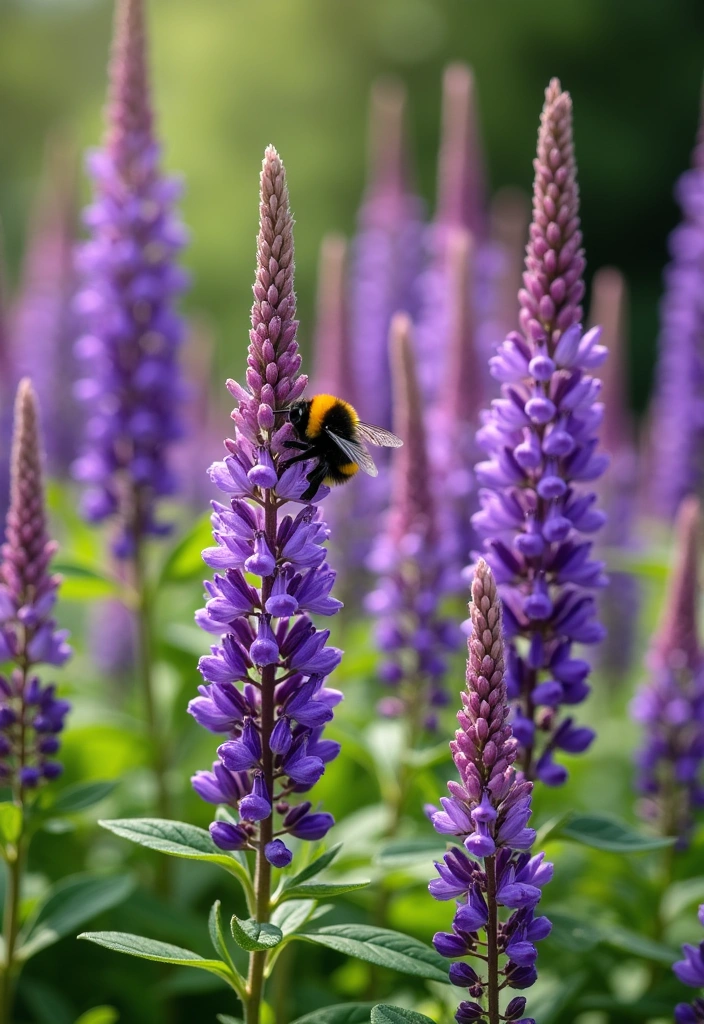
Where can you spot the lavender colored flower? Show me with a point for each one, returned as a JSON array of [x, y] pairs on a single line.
[[670, 706], [43, 323], [413, 637], [541, 439], [387, 252], [264, 680], [618, 492], [690, 971], [132, 388], [677, 430], [31, 715], [489, 809]]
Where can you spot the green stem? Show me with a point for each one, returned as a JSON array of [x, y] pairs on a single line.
[[10, 930], [492, 940], [262, 874]]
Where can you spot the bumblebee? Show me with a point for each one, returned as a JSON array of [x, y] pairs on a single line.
[[331, 432]]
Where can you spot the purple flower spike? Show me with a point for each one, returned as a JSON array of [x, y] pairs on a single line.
[[31, 715], [536, 520], [489, 810], [410, 631], [132, 388], [690, 971], [670, 706], [265, 691], [677, 432]]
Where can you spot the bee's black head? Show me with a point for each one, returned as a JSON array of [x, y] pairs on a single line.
[[296, 413]]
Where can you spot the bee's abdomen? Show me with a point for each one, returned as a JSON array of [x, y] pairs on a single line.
[[339, 474]]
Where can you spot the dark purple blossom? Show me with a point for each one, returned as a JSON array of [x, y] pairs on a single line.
[[493, 877], [690, 971], [31, 714], [541, 440], [264, 680], [677, 429], [412, 635], [133, 388], [670, 705]]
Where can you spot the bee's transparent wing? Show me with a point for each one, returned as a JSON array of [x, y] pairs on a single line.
[[377, 435], [355, 452]]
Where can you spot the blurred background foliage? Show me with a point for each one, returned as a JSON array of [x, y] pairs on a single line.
[[234, 75], [231, 76]]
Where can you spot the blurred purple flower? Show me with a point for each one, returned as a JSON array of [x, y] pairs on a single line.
[[133, 387], [690, 971]]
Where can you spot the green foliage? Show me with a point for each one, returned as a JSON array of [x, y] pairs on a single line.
[[149, 949], [382, 947], [348, 1013], [382, 1014], [99, 1015], [605, 832], [253, 935]]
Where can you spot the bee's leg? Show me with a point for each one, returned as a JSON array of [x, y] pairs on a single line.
[[315, 479], [303, 457], [301, 446]]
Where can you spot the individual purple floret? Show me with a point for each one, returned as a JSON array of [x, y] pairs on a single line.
[[411, 633], [677, 432], [541, 441], [31, 715], [620, 601], [264, 680], [489, 809], [132, 387], [690, 971], [670, 706]]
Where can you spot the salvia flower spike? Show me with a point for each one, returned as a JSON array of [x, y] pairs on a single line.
[[411, 632], [264, 681], [133, 388], [492, 875], [541, 440], [690, 971], [31, 715], [670, 705], [677, 425]]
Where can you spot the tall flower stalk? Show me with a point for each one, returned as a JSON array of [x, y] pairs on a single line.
[[411, 633], [31, 715], [264, 681], [541, 441], [489, 810], [132, 388], [690, 971], [670, 705], [677, 421]]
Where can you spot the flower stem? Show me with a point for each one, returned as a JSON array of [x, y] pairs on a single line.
[[145, 660], [10, 930], [492, 935], [529, 712], [262, 875]]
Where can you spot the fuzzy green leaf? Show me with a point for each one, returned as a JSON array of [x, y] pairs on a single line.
[[314, 868], [320, 890], [383, 1014], [253, 935], [604, 832], [343, 1013], [382, 947], [150, 949], [81, 796]]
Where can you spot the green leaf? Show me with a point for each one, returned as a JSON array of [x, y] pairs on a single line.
[[401, 853], [84, 582], [224, 1019], [253, 935], [382, 947], [99, 1015], [290, 916], [185, 560], [572, 934], [343, 1013], [320, 889], [81, 796], [680, 896], [639, 945], [177, 839], [10, 823], [383, 1014], [314, 868], [218, 940], [68, 905], [162, 952], [604, 832]]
